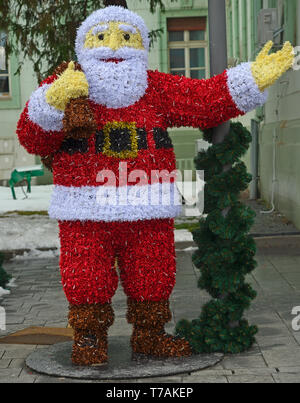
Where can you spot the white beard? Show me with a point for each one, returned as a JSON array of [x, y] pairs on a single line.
[[116, 85]]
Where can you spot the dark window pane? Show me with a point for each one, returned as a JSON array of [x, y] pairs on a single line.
[[4, 86], [198, 74], [197, 35], [178, 72], [3, 39], [175, 36], [177, 58], [197, 57]]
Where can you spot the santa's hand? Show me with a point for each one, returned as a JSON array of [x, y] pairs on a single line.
[[267, 68], [72, 84]]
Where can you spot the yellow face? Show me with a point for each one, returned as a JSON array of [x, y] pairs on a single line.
[[114, 35]]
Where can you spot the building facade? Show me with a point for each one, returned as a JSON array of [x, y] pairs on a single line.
[[279, 120]]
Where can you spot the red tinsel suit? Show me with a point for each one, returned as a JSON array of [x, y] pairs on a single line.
[[128, 215]]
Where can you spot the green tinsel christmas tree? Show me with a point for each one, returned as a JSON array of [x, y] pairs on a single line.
[[4, 277], [226, 251]]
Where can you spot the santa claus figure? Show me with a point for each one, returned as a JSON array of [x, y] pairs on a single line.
[[103, 123]]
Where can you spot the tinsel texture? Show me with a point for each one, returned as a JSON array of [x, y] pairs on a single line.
[[225, 252], [90, 324], [149, 337]]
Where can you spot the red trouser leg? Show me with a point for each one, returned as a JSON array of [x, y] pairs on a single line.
[[147, 259], [87, 262]]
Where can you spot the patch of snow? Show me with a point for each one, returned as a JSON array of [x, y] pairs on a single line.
[[191, 249], [3, 292], [28, 232], [37, 200], [12, 283], [183, 235], [37, 254], [27, 169]]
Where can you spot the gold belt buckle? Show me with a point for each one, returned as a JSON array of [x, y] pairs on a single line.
[[116, 133]]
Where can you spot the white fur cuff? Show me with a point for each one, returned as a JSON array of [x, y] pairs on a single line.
[[43, 114], [244, 89]]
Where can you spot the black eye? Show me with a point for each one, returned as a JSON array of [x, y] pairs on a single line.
[[101, 37], [126, 37]]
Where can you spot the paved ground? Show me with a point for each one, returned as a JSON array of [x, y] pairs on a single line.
[[38, 300]]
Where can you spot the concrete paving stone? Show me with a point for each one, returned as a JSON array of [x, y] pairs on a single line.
[[293, 279], [282, 260], [267, 273], [289, 370], [9, 372], [17, 380], [4, 362], [167, 379], [281, 356], [268, 318], [63, 324], [287, 268], [273, 330], [252, 361], [51, 379], [297, 337], [250, 379], [8, 347], [34, 322], [287, 378], [16, 363], [279, 286], [14, 319], [254, 371], [16, 353], [210, 372], [206, 379], [269, 342]]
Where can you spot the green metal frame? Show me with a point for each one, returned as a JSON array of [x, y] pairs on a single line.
[[17, 177]]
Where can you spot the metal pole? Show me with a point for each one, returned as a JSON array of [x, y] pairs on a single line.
[[219, 63], [218, 52]]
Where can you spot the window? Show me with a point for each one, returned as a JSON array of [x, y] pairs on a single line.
[[4, 75], [187, 47]]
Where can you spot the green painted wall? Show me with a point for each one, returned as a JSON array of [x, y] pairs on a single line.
[[280, 126]]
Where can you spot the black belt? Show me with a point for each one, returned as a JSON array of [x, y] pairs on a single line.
[[120, 142]]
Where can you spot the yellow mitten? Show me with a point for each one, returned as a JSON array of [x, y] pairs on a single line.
[[71, 84], [267, 68]]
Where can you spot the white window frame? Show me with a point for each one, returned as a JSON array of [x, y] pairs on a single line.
[[6, 95], [186, 44]]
